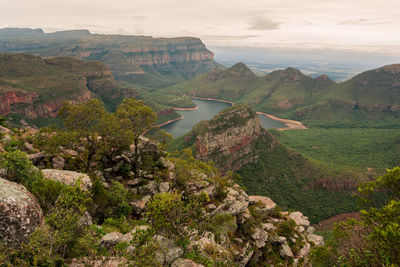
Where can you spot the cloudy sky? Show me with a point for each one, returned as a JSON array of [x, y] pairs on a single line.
[[370, 25]]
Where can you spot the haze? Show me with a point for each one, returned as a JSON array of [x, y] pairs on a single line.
[[362, 25]]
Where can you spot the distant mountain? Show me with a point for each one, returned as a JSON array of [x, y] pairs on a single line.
[[235, 140], [369, 99], [139, 60]]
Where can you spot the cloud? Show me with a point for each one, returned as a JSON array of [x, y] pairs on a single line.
[[139, 17], [363, 22], [228, 37], [263, 24]]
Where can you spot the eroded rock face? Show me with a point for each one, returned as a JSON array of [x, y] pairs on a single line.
[[229, 137], [20, 213], [68, 177]]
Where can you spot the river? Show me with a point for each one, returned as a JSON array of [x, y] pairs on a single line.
[[207, 109]]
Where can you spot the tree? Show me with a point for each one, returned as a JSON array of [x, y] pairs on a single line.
[[83, 120], [137, 119], [374, 240]]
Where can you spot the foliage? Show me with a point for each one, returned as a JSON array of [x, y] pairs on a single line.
[[367, 151], [112, 203], [282, 170], [18, 168], [374, 240], [137, 119], [82, 121], [116, 225], [62, 236], [169, 214]]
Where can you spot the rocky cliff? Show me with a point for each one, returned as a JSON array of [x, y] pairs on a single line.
[[139, 59], [36, 88], [235, 140], [228, 138]]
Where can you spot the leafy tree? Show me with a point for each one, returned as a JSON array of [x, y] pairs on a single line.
[[138, 119], [375, 239], [83, 120]]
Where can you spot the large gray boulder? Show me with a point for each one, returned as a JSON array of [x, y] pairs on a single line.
[[68, 177], [20, 213]]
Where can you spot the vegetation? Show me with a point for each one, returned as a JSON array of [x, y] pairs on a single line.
[[374, 240], [368, 151]]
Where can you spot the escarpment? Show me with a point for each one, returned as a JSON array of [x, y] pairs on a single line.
[[139, 59], [37, 88], [229, 139]]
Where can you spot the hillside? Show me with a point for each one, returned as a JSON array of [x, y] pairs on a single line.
[[172, 211], [370, 99], [235, 141], [140, 60], [35, 88]]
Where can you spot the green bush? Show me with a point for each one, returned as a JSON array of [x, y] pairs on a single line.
[[18, 168], [169, 214]]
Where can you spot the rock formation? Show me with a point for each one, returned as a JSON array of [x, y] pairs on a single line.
[[228, 138], [20, 213]]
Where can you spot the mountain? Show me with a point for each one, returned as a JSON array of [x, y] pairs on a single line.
[[235, 140], [139, 60], [35, 88], [370, 99]]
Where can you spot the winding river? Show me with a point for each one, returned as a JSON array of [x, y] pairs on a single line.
[[206, 110]]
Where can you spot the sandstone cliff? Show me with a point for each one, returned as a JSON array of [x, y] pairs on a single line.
[[229, 138], [137, 59], [36, 88]]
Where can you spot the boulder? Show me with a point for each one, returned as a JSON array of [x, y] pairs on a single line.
[[267, 203], [260, 237], [29, 146], [179, 262], [139, 205], [58, 163], [20, 213], [111, 239], [36, 157], [316, 239], [163, 187], [4, 130], [285, 251], [299, 219], [304, 251], [68, 177], [168, 251]]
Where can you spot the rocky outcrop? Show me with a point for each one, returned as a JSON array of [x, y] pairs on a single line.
[[125, 55], [228, 138], [68, 177], [20, 213]]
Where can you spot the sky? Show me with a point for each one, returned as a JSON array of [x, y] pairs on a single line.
[[362, 25]]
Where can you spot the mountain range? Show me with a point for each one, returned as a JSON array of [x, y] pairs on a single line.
[[370, 99]]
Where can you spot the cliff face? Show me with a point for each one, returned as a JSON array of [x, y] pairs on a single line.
[[33, 87], [235, 141], [167, 60], [229, 137]]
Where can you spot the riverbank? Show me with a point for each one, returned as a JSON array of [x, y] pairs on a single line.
[[167, 122], [213, 99], [290, 124], [195, 108]]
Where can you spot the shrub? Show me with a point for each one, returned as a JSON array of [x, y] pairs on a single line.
[[169, 214]]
